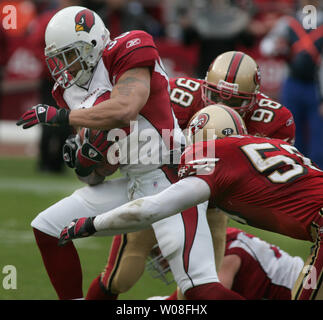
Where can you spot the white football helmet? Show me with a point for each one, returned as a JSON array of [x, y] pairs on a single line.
[[215, 121], [233, 78], [75, 39]]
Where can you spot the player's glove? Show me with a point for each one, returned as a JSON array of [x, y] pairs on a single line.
[[78, 228], [71, 145], [42, 113], [90, 154]]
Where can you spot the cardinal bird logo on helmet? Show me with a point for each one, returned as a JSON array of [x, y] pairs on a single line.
[[84, 21]]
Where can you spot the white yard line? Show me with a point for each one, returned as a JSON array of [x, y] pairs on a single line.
[[11, 237], [37, 186]]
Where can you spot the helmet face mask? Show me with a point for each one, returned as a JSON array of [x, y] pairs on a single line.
[[75, 40], [68, 65], [158, 267], [240, 101]]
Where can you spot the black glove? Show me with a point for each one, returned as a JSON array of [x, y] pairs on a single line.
[[70, 148]]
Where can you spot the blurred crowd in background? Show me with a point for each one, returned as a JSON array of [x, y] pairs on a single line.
[[189, 35]]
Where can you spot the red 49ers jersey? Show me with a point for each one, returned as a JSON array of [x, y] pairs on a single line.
[[270, 119], [130, 50], [264, 182], [267, 118], [274, 271], [186, 98]]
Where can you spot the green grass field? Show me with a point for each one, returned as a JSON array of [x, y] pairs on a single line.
[[24, 192]]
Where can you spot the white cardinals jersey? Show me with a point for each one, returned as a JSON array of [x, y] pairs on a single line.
[[150, 140]]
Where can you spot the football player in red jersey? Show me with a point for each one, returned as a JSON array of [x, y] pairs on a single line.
[[124, 80], [257, 269], [251, 266], [233, 78], [263, 182]]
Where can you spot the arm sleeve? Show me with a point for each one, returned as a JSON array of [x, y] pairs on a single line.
[[141, 213]]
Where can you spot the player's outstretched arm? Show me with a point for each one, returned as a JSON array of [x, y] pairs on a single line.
[[141, 213]]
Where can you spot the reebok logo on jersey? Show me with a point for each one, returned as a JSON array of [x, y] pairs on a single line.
[[133, 42]]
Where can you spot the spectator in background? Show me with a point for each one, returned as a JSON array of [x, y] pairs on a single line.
[[3, 60], [52, 138], [217, 26], [123, 15], [302, 48], [273, 69], [21, 69]]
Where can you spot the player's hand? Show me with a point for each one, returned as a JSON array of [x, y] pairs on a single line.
[[78, 228], [70, 147], [42, 113], [91, 154]]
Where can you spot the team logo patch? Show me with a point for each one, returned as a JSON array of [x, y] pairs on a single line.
[[84, 21], [92, 153], [198, 123], [41, 110], [184, 171], [289, 122]]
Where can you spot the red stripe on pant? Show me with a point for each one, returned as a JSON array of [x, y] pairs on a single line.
[[190, 219]]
